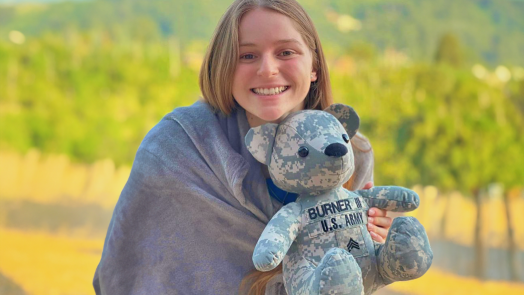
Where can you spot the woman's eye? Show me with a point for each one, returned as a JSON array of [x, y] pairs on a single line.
[[287, 53], [247, 56]]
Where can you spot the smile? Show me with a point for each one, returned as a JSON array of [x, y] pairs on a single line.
[[269, 91]]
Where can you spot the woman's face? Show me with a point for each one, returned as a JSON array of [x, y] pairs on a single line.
[[275, 67]]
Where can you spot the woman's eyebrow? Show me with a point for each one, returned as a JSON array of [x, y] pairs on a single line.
[[282, 41], [292, 40], [247, 45]]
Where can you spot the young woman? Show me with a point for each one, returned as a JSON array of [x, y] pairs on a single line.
[[196, 200]]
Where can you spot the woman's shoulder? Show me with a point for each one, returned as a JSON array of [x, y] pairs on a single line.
[[185, 129], [197, 112], [174, 131], [189, 137]]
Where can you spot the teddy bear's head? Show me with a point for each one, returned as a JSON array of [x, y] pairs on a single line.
[[309, 151]]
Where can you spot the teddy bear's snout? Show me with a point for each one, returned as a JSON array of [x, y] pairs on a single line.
[[336, 150]]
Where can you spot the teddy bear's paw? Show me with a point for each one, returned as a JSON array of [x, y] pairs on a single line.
[[340, 273], [267, 261], [406, 254]]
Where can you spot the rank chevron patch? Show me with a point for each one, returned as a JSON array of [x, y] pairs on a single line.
[[353, 245]]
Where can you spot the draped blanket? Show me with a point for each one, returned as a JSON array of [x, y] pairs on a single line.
[[191, 212]]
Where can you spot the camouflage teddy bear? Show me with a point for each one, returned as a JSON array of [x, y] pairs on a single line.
[[322, 236]]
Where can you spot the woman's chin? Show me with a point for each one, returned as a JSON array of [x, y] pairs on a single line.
[[273, 117], [264, 115]]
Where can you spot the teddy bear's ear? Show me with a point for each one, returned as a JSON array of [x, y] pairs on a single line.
[[260, 140], [347, 116]]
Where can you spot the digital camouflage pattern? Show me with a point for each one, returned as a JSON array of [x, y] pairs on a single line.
[[322, 238]]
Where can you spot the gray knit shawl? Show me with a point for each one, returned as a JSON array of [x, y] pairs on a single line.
[[192, 210]]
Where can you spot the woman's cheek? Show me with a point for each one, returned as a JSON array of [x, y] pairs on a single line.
[[241, 77]]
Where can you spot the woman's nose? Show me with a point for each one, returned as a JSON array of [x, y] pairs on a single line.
[[268, 67]]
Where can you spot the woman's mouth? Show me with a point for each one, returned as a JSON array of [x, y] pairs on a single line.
[[269, 91]]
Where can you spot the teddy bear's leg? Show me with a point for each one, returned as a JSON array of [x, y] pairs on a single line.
[[298, 273], [406, 255], [337, 273]]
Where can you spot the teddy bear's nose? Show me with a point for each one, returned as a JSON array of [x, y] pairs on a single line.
[[336, 150]]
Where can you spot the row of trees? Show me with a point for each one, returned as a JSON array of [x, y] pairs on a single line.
[[442, 126], [492, 29], [87, 97]]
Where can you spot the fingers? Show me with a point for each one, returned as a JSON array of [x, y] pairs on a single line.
[[368, 185], [377, 238], [384, 222], [378, 224], [376, 212], [378, 234]]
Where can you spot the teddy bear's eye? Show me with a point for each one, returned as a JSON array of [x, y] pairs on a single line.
[[303, 151], [345, 137]]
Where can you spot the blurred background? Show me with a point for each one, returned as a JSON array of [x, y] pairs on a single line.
[[439, 86]]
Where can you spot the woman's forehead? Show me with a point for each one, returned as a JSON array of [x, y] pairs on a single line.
[[277, 42], [263, 25]]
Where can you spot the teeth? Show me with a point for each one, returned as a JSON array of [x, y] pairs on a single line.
[[269, 91]]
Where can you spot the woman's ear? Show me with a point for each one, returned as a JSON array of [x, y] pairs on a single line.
[[313, 76]]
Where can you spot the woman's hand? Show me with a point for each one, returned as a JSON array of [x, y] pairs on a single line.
[[378, 222]]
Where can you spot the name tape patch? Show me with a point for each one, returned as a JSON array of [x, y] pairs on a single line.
[[325, 210], [337, 222]]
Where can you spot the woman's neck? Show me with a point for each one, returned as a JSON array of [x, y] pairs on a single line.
[[265, 171], [255, 121]]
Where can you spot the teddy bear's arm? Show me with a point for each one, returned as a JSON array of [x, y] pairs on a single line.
[[391, 198], [277, 237]]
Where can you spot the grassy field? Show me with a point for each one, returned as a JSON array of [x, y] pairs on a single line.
[[437, 282], [54, 214], [45, 264]]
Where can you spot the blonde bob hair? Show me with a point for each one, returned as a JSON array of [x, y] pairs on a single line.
[[220, 61]]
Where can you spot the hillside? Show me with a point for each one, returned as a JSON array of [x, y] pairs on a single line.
[[490, 31]]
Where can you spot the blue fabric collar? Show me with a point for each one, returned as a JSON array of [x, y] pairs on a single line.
[[280, 195]]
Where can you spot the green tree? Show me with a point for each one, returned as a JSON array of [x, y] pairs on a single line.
[[449, 51]]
